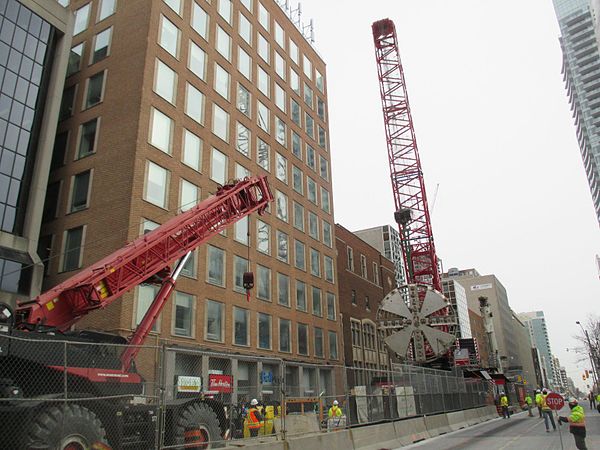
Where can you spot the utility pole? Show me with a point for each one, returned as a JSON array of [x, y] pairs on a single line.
[[591, 354]]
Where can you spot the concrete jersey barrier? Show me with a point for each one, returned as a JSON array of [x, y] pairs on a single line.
[[375, 437], [411, 430], [341, 440], [457, 420], [437, 424]]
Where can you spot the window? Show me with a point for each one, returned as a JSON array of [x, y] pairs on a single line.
[[59, 151], [107, 8], [192, 150], [80, 191], [225, 10], [315, 262], [244, 63], [88, 134], [165, 81], [145, 297], [148, 226], [247, 4], [325, 206], [243, 100], [333, 353], [283, 289], [214, 321], [240, 265], [264, 49], [157, 180], [175, 5], [299, 255], [363, 266], [75, 59], [197, 61], [184, 314], [242, 141], [295, 81], [200, 21], [318, 342], [313, 225], [264, 331], [317, 308], [220, 123], [218, 166], [73, 249], [302, 339], [95, 87], [353, 297], [284, 335], [294, 52], [241, 230], [327, 239], [319, 81], [281, 132], [296, 145], [307, 66], [264, 118], [310, 125], [282, 246], [280, 97], [323, 168], [298, 216], [66, 104], [241, 329], [101, 45], [328, 264], [310, 157], [295, 106], [215, 266], [281, 168], [311, 188], [189, 268], [280, 66], [241, 172], [279, 36], [350, 259], [161, 131], [321, 109], [169, 36], [194, 103], [367, 303], [263, 232], [263, 275], [245, 29], [263, 17], [263, 155], [281, 201], [223, 43], [356, 333], [190, 194], [330, 306], [222, 82], [308, 95], [322, 137], [82, 18], [375, 274], [264, 82]]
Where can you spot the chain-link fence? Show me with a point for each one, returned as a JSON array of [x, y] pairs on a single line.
[[58, 393]]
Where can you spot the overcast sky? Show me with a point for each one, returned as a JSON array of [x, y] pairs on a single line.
[[494, 131]]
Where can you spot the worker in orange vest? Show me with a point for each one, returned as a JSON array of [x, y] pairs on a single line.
[[254, 418]]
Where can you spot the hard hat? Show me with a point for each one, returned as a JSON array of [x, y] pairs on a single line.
[[335, 402], [537, 390], [572, 400], [544, 391], [254, 402]]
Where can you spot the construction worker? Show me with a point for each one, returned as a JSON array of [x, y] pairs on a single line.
[[528, 402], [598, 402], [547, 412], [254, 418], [504, 405], [576, 422], [538, 401], [335, 410]]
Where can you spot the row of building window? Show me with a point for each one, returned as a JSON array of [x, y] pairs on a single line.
[[363, 266]]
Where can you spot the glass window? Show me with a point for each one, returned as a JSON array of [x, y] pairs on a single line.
[[220, 123], [279, 36], [189, 268], [222, 82], [280, 66], [264, 331], [200, 21], [281, 168], [148, 226], [107, 8], [243, 100], [59, 151], [308, 96], [194, 103], [281, 201], [325, 206], [333, 353], [307, 67], [321, 109], [327, 240], [223, 43], [284, 335], [282, 246], [242, 141], [82, 18], [197, 61], [294, 81], [247, 4], [264, 118], [244, 63], [350, 258], [322, 137], [192, 150], [328, 264], [263, 275], [280, 97], [298, 216], [263, 155], [323, 168], [161, 131], [225, 10], [296, 112], [157, 179], [294, 52], [190, 194], [311, 190], [310, 124], [146, 294], [215, 266], [300, 295], [241, 230], [299, 255], [319, 81], [375, 274], [296, 145], [318, 342], [281, 130], [241, 328], [315, 262], [80, 192], [184, 314], [88, 133], [245, 29], [302, 339], [240, 265], [283, 289], [175, 5], [297, 180], [330, 306], [264, 49], [101, 45], [95, 89], [75, 59], [264, 82], [263, 17], [263, 237], [310, 157], [73, 247], [165, 81], [169, 36], [66, 104], [214, 321], [218, 166], [241, 172]]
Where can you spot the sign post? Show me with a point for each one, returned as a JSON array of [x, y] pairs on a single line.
[[556, 402]]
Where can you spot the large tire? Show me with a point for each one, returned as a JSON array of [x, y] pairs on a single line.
[[69, 426], [198, 423]]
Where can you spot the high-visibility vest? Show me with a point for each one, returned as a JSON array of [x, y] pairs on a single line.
[[577, 417], [528, 400], [538, 400], [334, 411], [504, 400], [544, 405], [253, 421]]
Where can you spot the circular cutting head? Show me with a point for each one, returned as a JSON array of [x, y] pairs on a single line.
[[416, 322]]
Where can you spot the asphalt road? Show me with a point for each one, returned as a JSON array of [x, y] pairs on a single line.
[[519, 432]]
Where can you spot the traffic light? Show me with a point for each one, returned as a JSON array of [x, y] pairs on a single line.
[[587, 374], [583, 377]]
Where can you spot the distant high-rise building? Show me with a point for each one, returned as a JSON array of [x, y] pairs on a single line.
[[386, 239], [581, 68], [538, 333], [457, 297]]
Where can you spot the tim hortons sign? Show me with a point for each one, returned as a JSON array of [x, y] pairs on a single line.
[[220, 383]]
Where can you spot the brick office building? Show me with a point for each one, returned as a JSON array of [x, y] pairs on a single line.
[[164, 101]]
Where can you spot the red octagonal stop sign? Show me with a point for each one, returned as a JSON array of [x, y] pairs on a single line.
[[555, 401]]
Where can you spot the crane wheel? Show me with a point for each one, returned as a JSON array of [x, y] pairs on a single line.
[[66, 427], [198, 428]]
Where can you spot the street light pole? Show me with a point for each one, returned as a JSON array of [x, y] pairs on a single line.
[[591, 354]]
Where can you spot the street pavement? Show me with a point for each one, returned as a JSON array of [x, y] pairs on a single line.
[[519, 432]]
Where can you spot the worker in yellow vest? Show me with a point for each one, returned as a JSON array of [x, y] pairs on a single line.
[[254, 418], [538, 401], [528, 402], [547, 412], [504, 405], [335, 410], [576, 422]]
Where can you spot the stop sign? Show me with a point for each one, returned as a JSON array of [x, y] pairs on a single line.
[[555, 401]]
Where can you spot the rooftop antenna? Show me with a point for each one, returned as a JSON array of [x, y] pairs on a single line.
[[308, 31], [295, 15]]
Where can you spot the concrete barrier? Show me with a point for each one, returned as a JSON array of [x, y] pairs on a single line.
[[257, 444], [374, 437], [341, 440], [299, 424], [473, 416], [411, 430], [437, 424], [457, 420]]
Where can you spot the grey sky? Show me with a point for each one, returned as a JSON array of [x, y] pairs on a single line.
[[495, 132]]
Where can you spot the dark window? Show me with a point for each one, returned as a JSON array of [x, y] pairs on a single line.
[[60, 149], [94, 92], [66, 107], [72, 249], [51, 202], [87, 142], [353, 297], [81, 185]]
